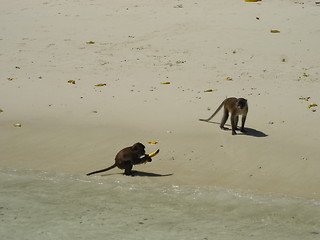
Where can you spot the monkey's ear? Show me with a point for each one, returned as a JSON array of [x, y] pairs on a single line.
[[140, 145], [134, 147]]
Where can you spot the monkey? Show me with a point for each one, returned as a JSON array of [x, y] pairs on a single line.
[[235, 106], [127, 157]]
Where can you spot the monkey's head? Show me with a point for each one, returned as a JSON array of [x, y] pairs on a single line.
[[138, 148], [241, 103]]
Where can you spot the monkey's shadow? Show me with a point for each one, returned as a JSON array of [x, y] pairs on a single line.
[[249, 131], [143, 174], [147, 174]]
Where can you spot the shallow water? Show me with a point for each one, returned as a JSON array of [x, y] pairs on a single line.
[[40, 205]]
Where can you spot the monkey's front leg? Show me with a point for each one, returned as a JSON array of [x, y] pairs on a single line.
[[146, 158], [242, 125], [142, 159]]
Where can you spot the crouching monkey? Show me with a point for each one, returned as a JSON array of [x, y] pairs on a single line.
[[127, 157]]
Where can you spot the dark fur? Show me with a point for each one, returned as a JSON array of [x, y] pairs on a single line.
[[127, 157], [235, 106]]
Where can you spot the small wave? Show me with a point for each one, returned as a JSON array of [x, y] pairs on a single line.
[[38, 204]]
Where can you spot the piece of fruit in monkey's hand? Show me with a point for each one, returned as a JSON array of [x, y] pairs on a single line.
[[152, 155]]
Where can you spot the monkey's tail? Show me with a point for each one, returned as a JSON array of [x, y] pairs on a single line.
[[102, 170], [218, 109]]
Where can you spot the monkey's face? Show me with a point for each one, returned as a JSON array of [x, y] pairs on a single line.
[[242, 103], [138, 148]]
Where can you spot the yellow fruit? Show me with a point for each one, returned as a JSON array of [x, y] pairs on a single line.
[[100, 85], [152, 142], [274, 31], [154, 153], [165, 83], [312, 105], [210, 90]]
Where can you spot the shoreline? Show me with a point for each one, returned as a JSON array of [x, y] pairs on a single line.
[[87, 81]]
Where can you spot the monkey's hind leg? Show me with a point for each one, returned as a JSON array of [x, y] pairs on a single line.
[[234, 120], [224, 119], [127, 169]]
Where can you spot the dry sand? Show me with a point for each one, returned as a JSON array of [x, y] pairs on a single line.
[[194, 45]]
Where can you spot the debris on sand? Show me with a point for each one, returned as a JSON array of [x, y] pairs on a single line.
[[100, 85], [72, 81]]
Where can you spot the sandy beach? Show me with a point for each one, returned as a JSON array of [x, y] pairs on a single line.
[[130, 48]]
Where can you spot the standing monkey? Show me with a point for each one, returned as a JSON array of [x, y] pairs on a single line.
[[127, 157], [235, 106]]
